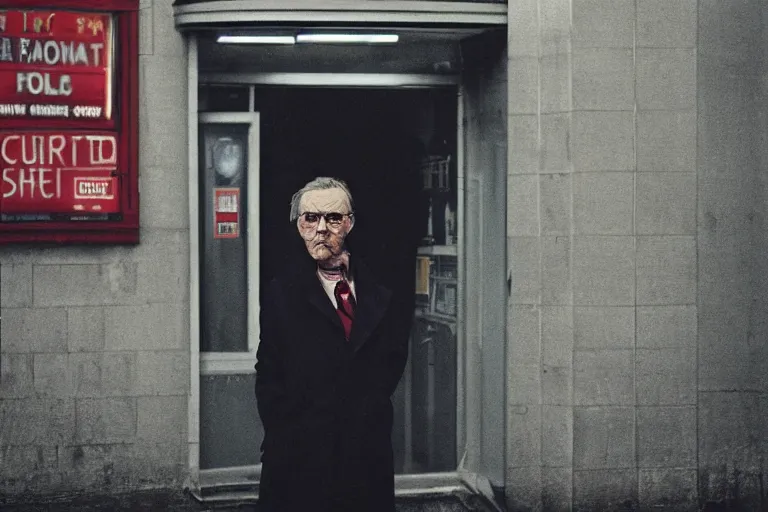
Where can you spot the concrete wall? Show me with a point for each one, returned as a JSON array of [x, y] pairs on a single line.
[[637, 355], [637, 319], [732, 243], [95, 350]]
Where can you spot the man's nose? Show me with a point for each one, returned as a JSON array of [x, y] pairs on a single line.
[[322, 225]]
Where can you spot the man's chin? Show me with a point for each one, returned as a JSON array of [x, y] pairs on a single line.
[[321, 255]]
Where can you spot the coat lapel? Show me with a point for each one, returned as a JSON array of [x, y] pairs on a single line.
[[319, 299], [372, 301]]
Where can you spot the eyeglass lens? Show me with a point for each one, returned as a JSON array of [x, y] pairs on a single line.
[[332, 218]]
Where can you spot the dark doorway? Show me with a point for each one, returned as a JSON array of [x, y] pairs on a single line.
[[375, 140]]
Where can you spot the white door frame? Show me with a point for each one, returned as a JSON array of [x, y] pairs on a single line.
[[217, 363], [409, 484]]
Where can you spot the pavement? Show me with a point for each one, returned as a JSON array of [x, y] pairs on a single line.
[[184, 502]]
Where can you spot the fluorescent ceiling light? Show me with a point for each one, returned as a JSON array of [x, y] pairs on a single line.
[[257, 39], [346, 38]]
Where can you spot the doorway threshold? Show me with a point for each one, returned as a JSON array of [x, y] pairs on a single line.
[[238, 486]]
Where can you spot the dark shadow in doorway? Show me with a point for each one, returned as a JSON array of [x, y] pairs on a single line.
[[374, 139]]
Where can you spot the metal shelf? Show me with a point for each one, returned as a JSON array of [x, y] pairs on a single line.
[[436, 317], [438, 250]]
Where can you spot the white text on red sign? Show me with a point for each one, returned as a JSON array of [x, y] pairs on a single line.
[[32, 165]]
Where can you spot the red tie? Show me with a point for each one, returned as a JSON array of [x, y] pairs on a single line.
[[345, 306]]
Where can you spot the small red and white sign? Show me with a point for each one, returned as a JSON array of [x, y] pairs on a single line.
[[94, 188], [226, 212]]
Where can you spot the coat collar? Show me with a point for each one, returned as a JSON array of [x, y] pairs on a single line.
[[372, 299]]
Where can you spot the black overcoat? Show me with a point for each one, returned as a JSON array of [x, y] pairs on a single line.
[[325, 402]]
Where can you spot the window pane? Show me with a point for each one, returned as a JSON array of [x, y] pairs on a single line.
[[223, 200], [230, 427]]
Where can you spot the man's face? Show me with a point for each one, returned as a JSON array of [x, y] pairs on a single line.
[[324, 222]]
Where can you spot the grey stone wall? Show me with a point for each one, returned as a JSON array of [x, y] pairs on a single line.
[[95, 353], [637, 340], [636, 239], [733, 348]]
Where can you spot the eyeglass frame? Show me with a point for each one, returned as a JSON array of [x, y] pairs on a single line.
[[324, 215]]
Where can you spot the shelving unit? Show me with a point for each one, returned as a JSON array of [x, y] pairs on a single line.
[[437, 250], [430, 433]]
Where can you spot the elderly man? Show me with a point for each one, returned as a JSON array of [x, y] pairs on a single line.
[[333, 347]]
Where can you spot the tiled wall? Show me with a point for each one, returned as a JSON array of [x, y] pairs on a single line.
[[630, 318], [95, 355]]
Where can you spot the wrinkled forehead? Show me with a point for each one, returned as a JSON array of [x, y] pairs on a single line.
[[327, 200]]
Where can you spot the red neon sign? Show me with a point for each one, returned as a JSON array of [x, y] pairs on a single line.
[[55, 65], [68, 129]]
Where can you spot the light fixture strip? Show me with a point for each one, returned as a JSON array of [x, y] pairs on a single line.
[[310, 38], [253, 39], [346, 38]]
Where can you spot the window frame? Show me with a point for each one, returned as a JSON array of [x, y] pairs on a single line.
[[239, 363]]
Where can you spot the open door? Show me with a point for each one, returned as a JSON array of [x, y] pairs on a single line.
[[230, 431]]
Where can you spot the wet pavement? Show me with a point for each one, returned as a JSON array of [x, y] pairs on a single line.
[[140, 502], [183, 502]]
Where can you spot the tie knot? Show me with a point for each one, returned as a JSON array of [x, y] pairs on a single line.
[[342, 287]]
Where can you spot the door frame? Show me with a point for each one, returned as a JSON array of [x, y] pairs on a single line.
[[460, 479], [215, 363]]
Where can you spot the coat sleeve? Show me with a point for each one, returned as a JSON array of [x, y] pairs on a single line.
[[270, 381]]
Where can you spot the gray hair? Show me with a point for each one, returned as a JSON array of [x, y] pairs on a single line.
[[321, 183]]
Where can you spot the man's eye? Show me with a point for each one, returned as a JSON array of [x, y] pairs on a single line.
[[334, 217], [311, 217]]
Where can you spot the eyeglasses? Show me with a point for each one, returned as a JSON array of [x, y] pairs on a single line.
[[332, 219]]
